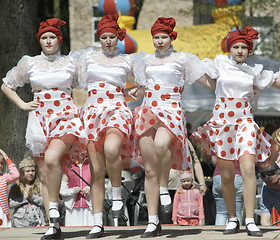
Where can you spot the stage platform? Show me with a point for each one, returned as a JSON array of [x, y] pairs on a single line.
[[133, 232]]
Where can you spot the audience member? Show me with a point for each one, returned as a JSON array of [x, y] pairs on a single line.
[[208, 199], [271, 176], [5, 179], [174, 181], [188, 203], [76, 194], [25, 197], [221, 210], [265, 214], [197, 169]]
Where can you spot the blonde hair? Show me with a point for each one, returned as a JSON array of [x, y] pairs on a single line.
[[18, 188], [27, 162]]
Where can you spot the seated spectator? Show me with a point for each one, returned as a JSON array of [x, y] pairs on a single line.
[[25, 197], [265, 214], [271, 176], [271, 191], [76, 194], [188, 203], [5, 179]]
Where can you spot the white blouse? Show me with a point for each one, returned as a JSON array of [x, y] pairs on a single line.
[[96, 67], [113, 70], [177, 69], [43, 73], [237, 80]]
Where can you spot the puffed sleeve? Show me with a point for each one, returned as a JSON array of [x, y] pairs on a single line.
[[212, 66], [264, 79], [18, 76], [80, 59], [73, 68], [194, 68], [138, 66]]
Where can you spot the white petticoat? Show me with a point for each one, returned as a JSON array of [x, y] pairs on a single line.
[[56, 116]]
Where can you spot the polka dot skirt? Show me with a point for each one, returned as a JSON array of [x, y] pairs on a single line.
[[162, 104], [106, 108], [232, 132], [56, 116]]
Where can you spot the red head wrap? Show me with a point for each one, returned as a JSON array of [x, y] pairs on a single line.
[[108, 23], [164, 25], [245, 36], [51, 25]]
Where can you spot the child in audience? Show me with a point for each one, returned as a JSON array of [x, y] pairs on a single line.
[[188, 203], [5, 179]]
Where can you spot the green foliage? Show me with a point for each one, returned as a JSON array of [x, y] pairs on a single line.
[[263, 5]]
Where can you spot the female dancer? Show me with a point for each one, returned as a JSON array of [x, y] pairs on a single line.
[[53, 121], [106, 117], [160, 127], [231, 134]]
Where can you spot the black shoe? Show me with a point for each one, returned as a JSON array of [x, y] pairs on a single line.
[[56, 235], [166, 209], [232, 230], [257, 233], [56, 219], [156, 232], [118, 213], [97, 234]]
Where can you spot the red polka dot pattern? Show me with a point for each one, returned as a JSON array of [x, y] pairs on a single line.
[[235, 132], [164, 107], [54, 118], [105, 108]]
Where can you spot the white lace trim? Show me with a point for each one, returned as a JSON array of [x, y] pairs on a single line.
[[252, 70], [51, 62], [51, 58], [111, 54], [154, 61], [100, 57], [164, 54]]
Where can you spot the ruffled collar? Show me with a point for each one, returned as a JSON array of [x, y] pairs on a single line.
[[164, 54], [51, 58], [234, 63], [253, 70], [111, 54]]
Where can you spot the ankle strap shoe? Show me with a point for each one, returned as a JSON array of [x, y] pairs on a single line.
[[156, 232], [55, 235], [232, 230], [257, 233], [97, 234]]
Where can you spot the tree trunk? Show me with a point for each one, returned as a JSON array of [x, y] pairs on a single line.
[[19, 24]]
